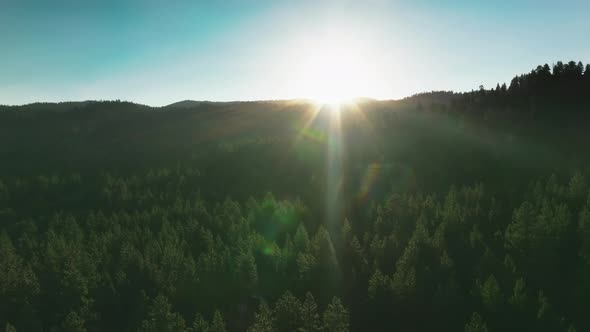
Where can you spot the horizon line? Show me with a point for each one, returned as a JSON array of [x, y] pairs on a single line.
[[303, 99]]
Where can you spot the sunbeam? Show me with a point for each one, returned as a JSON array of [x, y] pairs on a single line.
[[334, 167]]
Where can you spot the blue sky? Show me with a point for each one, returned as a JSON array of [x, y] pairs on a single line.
[[158, 52]]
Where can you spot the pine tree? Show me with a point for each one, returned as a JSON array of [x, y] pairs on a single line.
[[161, 318], [490, 293], [558, 69], [309, 315], [514, 84], [73, 323], [543, 306], [503, 88], [217, 324], [18, 282], [301, 239], [378, 284], [286, 313], [476, 324], [336, 317], [247, 273], [199, 324], [518, 298], [518, 233], [263, 320]]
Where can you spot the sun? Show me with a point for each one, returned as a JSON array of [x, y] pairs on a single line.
[[332, 75], [335, 69], [331, 100]]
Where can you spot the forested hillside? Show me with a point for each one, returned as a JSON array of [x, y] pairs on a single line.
[[443, 211]]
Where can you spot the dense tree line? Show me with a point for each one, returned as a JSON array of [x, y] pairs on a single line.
[[224, 217], [561, 86]]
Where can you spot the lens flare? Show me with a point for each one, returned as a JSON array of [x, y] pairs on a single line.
[[368, 181]]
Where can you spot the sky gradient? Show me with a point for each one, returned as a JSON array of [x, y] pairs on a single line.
[[160, 52]]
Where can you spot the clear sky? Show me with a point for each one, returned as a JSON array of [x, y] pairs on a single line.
[[158, 52]]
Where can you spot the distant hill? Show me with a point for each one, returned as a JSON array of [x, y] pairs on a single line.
[[187, 104], [564, 83], [184, 104], [61, 106], [72, 105]]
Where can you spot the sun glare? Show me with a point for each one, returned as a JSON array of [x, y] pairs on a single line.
[[332, 75], [335, 69]]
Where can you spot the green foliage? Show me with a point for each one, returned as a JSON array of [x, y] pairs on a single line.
[[247, 273], [199, 324], [264, 320], [518, 298], [73, 323], [9, 328], [543, 305], [336, 317], [378, 284], [161, 318], [286, 313], [310, 315], [476, 324], [119, 217], [217, 324], [491, 295], [301, 238]]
